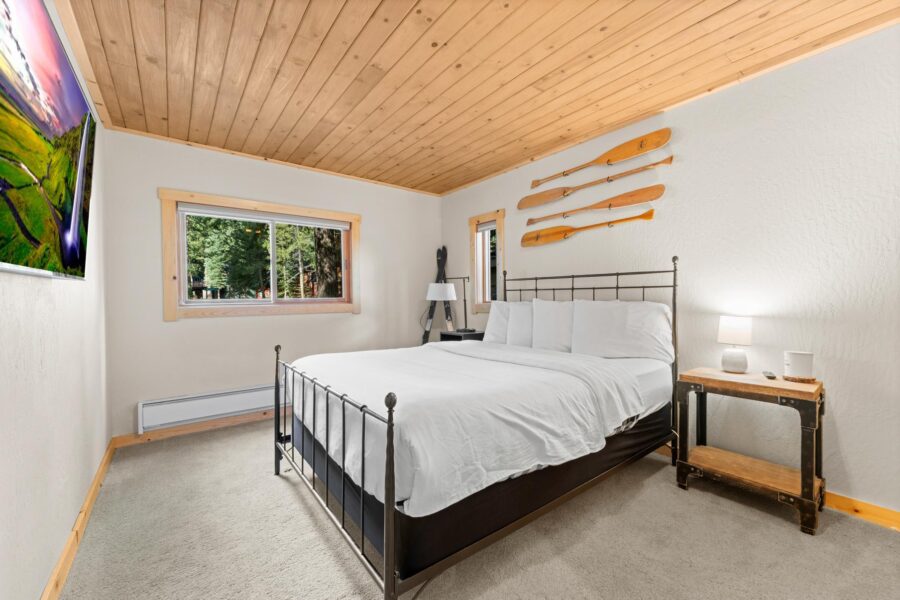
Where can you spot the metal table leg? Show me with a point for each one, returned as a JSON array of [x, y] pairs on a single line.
[[701, 418]]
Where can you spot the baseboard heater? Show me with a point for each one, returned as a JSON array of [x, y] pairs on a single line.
[[154, 414]]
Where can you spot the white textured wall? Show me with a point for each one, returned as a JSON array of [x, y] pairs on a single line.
[[52, 406], [783, 203], [150, 358]]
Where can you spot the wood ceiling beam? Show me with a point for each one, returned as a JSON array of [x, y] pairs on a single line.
[[683, 87], [250, 22], [216, 22], [317, 21], [148, 25], [88, 49], [353, 18], [439, 57], [386, 20], [703, 26], [433, 94], [114, 23], [444, 28], [182, 28], [553, 30], [523, 87], [402, 39], [509, 40], [630, 81]]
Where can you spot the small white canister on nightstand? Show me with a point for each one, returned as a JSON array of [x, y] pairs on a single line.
[[798, 364]]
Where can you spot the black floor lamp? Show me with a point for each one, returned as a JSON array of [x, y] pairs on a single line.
[[465, 281]]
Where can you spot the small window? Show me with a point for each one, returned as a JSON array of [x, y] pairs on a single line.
[[237, 257], [486, 233]]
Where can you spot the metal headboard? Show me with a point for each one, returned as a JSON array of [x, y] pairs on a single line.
[[532, 287]]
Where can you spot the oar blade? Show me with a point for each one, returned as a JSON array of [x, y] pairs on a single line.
[[636, 147], [546, 236], [640, 196], [540, 198]]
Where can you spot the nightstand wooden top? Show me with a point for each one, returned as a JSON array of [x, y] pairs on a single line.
[[754, 383]]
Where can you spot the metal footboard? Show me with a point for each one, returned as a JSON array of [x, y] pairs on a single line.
[[285, 449]]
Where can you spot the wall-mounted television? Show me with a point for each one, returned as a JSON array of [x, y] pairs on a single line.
[[46, 147]]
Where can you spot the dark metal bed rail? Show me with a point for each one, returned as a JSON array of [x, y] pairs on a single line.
[[286, 398]]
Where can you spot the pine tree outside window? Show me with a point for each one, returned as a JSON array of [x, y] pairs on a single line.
[[245, 260]]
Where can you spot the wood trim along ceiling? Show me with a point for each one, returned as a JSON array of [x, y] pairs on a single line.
[[430, 95]]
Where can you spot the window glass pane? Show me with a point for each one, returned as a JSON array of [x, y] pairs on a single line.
[[309, 261], [227, 259], [493, 262]]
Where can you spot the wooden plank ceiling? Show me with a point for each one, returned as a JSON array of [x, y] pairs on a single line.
[[430, 94]]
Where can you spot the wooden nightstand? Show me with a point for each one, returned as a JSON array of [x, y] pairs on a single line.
[[803, 489], [458, 336]]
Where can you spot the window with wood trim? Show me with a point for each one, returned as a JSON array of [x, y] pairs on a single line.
[[226, 256], [486, 247]]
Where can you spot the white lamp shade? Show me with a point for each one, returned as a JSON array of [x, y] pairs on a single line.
[[735, 330], [441, 291]]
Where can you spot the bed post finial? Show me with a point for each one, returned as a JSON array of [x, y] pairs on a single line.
[[390, 552], [675, 262], [277, 349]]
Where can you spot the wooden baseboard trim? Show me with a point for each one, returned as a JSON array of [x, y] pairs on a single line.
[[120, 441], [872, 513], [60, 572]]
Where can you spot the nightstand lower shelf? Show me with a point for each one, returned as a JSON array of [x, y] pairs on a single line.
[[751, 472]]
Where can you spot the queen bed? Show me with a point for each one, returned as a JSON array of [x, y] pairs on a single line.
[[474, 439]]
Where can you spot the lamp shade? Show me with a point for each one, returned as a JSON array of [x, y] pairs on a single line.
[[735, 330], [441, 291]]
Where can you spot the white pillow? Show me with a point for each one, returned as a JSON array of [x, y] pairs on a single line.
[[613, 329], [552, 328], [520, 319], [498, 323]]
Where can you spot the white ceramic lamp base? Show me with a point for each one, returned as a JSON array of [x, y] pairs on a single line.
[[734, 360]]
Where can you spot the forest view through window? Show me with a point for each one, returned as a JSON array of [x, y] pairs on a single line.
[[238, 257]]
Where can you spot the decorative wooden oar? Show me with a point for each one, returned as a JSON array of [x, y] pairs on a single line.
[[630, 149], [554, 194], [647, 194], [562, 232]]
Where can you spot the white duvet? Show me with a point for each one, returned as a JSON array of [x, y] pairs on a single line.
[[469, 414]]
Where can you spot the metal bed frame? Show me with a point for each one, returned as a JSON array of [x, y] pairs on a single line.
[[389, 578]]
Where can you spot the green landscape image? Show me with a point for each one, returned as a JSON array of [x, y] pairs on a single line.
[[46, 146]]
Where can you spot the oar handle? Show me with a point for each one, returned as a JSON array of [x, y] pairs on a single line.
[[644, 216], [538, 182]]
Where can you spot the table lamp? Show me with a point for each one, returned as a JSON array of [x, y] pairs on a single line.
[[465, 281], [736, 331]]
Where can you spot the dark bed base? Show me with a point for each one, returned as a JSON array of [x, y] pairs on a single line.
[[408, 551], [427, 540]]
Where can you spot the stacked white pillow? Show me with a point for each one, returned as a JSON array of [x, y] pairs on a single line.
[[609, 329], [615, 329], [552, 328]]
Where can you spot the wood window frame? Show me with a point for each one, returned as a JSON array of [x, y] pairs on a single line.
[[498, 216], [174, 308]]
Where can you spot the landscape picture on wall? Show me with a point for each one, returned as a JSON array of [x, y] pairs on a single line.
[[46, 146]]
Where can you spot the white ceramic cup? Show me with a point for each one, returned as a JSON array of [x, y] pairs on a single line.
[[798, 364]]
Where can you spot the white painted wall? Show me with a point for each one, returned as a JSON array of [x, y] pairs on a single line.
[[53, 429], [150, 359], [782, 204]]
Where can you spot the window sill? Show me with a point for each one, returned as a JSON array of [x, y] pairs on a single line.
[[484, 307], [244, 310]]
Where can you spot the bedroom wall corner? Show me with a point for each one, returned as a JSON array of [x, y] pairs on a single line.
[[150, 359], [782, 204], [53, 429]]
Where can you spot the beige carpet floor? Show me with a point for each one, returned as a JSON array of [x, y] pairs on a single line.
[[203, 517]]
